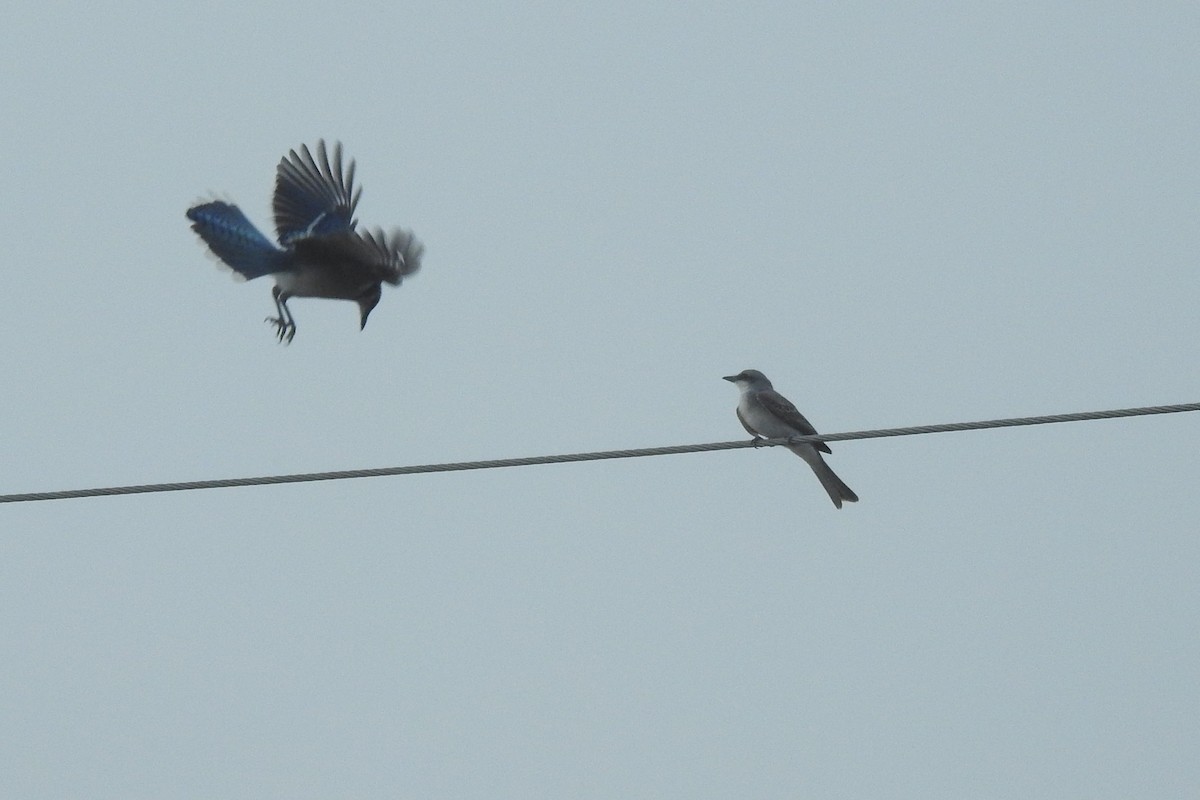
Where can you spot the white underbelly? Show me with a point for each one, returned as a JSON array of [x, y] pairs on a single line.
[[765, 423]]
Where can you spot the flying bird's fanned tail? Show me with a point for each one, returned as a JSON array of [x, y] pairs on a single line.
[[234, 240]]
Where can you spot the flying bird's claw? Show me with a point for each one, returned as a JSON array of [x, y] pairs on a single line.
[[284, 331]]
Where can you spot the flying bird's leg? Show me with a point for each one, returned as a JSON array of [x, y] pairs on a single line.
[[285, 325], [291, 323]]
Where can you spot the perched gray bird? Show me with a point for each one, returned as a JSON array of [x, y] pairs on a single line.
[[320, 254], [765, 412]]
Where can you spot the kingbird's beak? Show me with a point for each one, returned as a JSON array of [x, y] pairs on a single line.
[[730, 378]]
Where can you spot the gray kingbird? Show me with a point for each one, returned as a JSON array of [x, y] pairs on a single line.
[[765, 412]]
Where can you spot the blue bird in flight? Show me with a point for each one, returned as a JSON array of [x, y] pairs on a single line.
[[320, 252]]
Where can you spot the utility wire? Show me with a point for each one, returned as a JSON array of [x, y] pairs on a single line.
[[224, 483]]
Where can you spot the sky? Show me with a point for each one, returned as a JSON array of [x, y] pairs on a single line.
[[903, 214]]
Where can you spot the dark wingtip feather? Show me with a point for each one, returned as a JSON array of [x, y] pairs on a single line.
[[313, 195]]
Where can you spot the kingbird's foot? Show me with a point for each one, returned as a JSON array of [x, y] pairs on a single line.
[[758, 441]]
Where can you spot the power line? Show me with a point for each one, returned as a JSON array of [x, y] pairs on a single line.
[[226, 483]]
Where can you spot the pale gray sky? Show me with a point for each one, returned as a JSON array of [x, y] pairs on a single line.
[[902, 213]]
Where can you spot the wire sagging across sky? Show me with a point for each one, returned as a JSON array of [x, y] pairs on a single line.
[[950, 427]]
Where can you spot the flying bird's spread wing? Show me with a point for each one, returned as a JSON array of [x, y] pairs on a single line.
[[781, 407], [349, 258], [314, 197], [392, 256]]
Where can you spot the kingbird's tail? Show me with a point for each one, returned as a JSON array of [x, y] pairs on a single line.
[[838, 491]]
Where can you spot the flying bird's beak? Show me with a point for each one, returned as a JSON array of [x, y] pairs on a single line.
[[365, 311], [366, 304]]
